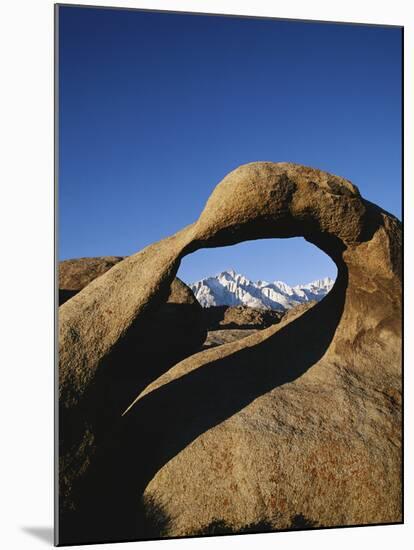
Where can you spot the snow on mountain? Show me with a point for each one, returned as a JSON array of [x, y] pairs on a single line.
[[232, 289]]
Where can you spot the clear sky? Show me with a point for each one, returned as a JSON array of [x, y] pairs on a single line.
[[156, 108]]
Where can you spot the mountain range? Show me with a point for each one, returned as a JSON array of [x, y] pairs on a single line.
[[232, 289]]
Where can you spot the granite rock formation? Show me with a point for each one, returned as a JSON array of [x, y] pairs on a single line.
[[175, 328], [299, 420], [179, 320], [219, 337], [77, 273], [239, 317], [172, 331]]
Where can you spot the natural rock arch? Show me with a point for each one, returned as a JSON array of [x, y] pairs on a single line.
[[358, 354]]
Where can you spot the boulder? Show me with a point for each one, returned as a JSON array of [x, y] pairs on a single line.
[[296, 425], [77, 273], [239, 317], [220, 337]]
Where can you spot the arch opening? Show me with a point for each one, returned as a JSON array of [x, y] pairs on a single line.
[[249, 286]]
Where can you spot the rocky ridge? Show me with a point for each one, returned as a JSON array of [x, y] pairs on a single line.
[[232, 289]]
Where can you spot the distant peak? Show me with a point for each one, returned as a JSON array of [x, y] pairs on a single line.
[[230, 272], [324, 281]]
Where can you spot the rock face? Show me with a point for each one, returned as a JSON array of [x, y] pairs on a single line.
[[77, 273], [297, 424], [179, 320], [172, 331]]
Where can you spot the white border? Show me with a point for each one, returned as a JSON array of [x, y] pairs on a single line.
[[26, 218]]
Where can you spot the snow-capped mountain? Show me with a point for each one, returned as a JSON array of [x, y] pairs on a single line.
[[232, 289]]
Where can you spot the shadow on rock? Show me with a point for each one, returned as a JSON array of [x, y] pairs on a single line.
[[169, 418]]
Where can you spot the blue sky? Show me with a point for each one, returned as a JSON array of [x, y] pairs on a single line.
[[156, 108]]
